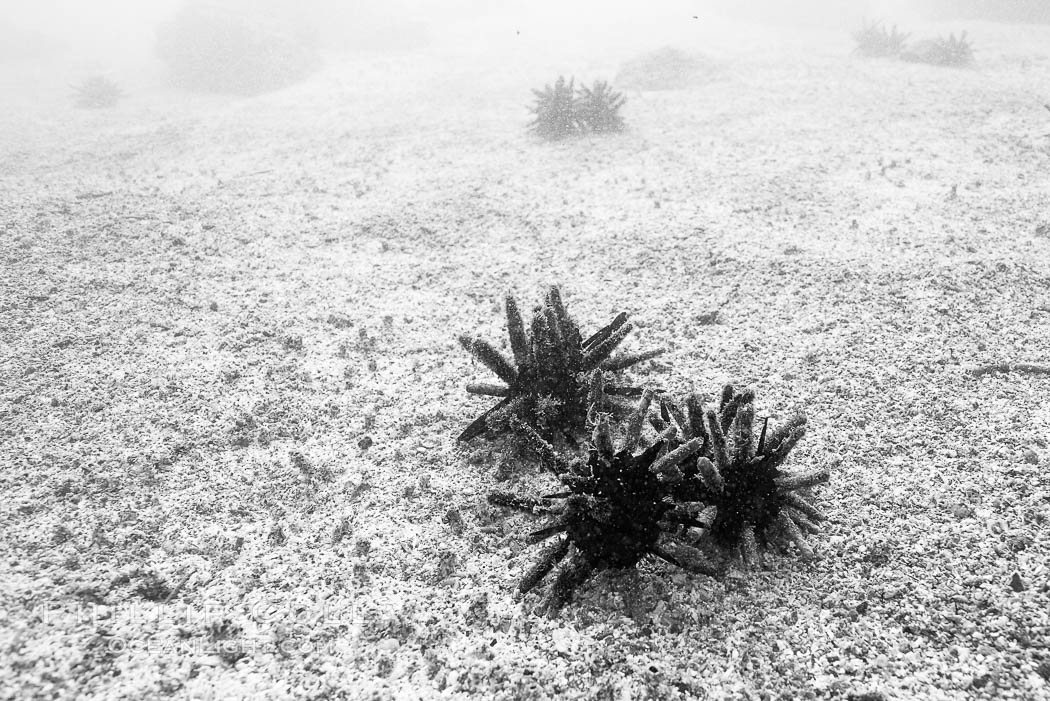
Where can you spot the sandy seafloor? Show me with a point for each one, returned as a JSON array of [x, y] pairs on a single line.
[[208, 303]]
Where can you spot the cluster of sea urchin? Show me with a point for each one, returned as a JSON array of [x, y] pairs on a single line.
[[704, 482], [557, 378], [746, 501], [564, 110], [617, 508]]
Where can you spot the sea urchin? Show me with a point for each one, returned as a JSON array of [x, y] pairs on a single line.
[[749, 501], [556, 378], [618, 509], [598, 108], [555, 111], [98, 92]]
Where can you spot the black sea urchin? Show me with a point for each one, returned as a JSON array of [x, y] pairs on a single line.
[[557, 378], [98, 92], [750, 501], [555, 111], [618, 508], [950, 51], [598, 108], [564, 110], [874, 40]]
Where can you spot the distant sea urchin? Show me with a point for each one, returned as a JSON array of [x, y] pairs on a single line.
[[564, 110], [618, 509], [555, 111], [556, 378], [942, 51], [873, 40], [598, 108], [749, 501], [98, 92]]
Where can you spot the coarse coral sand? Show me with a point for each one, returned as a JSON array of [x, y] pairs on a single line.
[[230, 382]]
